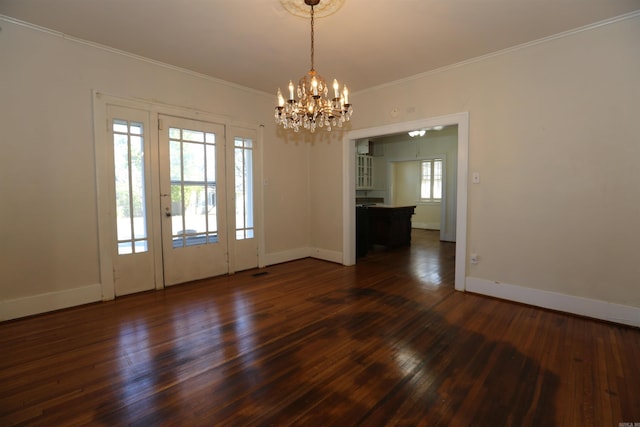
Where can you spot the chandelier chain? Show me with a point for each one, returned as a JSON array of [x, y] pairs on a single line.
[[312, 39]]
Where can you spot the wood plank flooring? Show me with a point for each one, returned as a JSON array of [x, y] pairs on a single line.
[[306, 343]]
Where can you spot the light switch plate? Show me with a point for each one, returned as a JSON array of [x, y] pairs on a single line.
[[475, 178]]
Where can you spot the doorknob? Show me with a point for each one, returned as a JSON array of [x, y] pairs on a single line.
[[167, 214]]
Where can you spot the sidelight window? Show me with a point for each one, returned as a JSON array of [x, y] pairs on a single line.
[[131, 215], [243, 160]]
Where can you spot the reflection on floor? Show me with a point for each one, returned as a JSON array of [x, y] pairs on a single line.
[[427, 258]]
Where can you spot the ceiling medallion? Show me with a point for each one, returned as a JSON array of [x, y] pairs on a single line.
[[313, 107], [301, 8]]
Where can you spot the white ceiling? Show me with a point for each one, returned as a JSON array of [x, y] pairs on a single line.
[[256, 43]]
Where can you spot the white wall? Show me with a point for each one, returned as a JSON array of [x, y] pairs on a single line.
[[48, 221], [326, 186], [554, 134]]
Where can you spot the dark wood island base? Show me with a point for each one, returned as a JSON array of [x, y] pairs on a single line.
[[382, 225]]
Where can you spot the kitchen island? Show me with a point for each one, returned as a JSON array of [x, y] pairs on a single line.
[[386, 225]]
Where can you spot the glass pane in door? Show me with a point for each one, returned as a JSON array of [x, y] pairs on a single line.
[[131, 215], [243, 179], [193, 187]]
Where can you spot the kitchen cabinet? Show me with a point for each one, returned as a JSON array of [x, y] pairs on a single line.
[[364, 172], [362, 231]]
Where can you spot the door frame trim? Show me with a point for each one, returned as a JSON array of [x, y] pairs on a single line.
[[106, 221], [349, 184]]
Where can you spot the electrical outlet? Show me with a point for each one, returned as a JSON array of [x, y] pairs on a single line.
[[474, 258]]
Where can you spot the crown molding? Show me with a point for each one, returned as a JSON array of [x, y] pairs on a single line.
[[130, 55], [516, 48]]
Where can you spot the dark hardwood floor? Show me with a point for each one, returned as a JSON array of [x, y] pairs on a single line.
[[387, 342]]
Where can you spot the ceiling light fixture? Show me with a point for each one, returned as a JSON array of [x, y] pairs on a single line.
[[422, 132], [313, 107], [415, 133]]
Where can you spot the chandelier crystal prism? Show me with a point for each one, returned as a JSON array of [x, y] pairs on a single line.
[[309, 105]]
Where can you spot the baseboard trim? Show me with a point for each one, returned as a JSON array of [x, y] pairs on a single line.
[[588, 307], [326, 255], [50, 301], [299, 253], [286, 256]]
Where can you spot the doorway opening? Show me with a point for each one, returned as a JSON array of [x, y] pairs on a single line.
[[349, 183]]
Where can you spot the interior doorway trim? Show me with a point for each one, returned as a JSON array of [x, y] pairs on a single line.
[[349, 184]]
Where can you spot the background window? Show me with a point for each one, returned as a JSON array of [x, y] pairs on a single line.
[[431, 180]]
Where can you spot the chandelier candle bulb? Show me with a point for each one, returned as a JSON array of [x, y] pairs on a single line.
[[280, 99], [336, 88], [346, 95], [290, 90]]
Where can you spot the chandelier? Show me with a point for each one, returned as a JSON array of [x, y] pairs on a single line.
[[313, 107]]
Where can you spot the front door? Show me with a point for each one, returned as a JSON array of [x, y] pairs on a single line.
[[178, 198], [192, 199]]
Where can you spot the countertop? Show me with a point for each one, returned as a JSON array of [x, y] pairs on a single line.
[[383, 206]]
